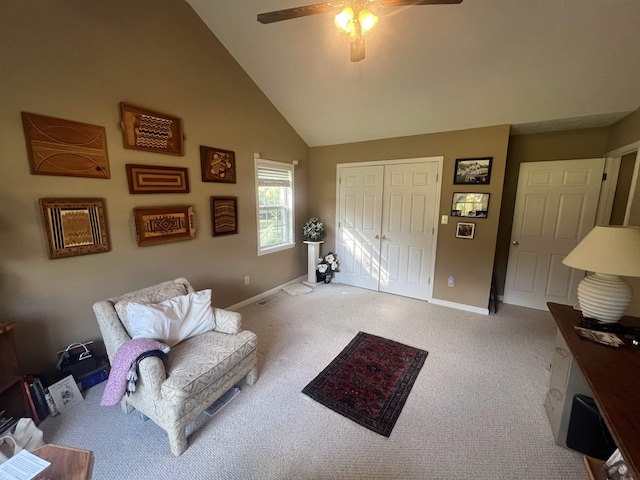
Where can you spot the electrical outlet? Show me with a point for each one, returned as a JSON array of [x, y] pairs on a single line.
[[247, 280], [445, 219], [451, 281]]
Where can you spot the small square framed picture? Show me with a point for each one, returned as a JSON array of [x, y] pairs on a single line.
[[465, 230]]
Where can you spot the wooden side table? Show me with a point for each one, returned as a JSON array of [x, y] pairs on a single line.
[[66, 463]]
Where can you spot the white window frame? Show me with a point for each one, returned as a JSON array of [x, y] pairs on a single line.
[[290, 209]]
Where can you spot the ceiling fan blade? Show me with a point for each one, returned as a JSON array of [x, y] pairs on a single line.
[[403, 3], [295, 12]]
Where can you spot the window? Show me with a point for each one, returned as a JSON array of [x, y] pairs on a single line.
[[274, 183]]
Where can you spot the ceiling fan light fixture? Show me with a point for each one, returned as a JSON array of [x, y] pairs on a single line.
[[345, 20], [367, 20]]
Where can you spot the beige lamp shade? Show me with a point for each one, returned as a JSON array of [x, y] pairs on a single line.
[[611, 249], [609, 252]]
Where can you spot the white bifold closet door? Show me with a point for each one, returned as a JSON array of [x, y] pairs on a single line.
[[386, 227]]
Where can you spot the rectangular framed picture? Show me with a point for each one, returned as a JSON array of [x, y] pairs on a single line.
[[472, 171], [155, 179], [474, 205], [150, 131], [465, 230], [224, 215], [217, 165], [155, 225], [74, 226]]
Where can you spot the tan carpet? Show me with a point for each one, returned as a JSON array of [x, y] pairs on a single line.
[[475, 412]]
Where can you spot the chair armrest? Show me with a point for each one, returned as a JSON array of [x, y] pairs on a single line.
[[151, 374], [113, 333], [227, 321]]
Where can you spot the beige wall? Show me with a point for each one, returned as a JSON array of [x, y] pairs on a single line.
[[471, 267], [77, 60], [567, 145]]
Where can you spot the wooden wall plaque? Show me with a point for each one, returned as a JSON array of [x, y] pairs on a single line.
[[224, 215], [155, 179], [156, 225], [217, 165], [151, 131], [64, 147], [75, 226]]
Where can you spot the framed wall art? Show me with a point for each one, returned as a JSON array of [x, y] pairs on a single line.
[[465, 230], [224, 215], [74, 226], [64, 147], [473, 171], [218, 165], [155, 179], [155, 225], [470, 205], [151, 131]]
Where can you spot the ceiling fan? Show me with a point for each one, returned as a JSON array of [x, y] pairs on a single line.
[[354, 17]]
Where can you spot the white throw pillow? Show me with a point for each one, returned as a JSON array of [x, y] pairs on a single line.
[[173, 320]]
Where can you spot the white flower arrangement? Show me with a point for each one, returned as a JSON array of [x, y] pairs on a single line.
[[313, 230], [328, 266]]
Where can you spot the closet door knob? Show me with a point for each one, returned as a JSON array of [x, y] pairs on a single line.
[[377, 236], [515, 243]]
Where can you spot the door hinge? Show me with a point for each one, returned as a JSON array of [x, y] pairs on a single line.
[[604, 177], [429, 281], [437, 177]]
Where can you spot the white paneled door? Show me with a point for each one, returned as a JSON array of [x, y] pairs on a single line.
[[387, 218], [555, 208], [360, 220]]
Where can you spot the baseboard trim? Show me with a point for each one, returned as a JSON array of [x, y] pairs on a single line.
[[262, 295], [461, 306]]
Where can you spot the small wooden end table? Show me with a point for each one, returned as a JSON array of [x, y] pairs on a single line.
[[66, 463]]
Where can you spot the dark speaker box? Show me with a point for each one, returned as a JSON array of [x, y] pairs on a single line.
[[587, 432]]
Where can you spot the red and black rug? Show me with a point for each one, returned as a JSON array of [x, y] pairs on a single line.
[[369, 381]]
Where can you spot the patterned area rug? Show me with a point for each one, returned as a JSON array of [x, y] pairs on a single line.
[[369, 381]]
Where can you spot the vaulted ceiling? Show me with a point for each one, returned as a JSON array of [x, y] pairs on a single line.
[[535, 64]]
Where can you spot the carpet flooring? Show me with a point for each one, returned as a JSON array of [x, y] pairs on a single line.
[[476, 411], [369, 381]]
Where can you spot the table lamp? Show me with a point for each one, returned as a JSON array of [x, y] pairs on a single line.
[[609, 252]]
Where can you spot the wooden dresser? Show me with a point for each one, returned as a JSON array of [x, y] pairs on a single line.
[[612, 375]]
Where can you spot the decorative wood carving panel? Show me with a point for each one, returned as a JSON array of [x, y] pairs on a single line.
[[64, 147], [155, 179], [156, 225], [75, 226], [151, 131]]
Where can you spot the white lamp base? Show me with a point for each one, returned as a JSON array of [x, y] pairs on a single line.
[[604, 297]]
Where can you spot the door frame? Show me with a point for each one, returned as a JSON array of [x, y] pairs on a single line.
[[615, 156], [440, 161]]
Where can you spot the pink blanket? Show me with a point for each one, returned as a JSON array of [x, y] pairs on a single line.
[[124, 358]]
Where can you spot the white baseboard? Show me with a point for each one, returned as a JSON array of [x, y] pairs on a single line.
[[262, 295], [435, 301], [461, 306]]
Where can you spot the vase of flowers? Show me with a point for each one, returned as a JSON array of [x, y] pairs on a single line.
[[327, 267], [313, 230]]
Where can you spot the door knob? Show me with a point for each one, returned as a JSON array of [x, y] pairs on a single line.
[[515, 243], [384, 237], [377, 236]]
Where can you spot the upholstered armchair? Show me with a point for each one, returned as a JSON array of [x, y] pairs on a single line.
[[198, 371]]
